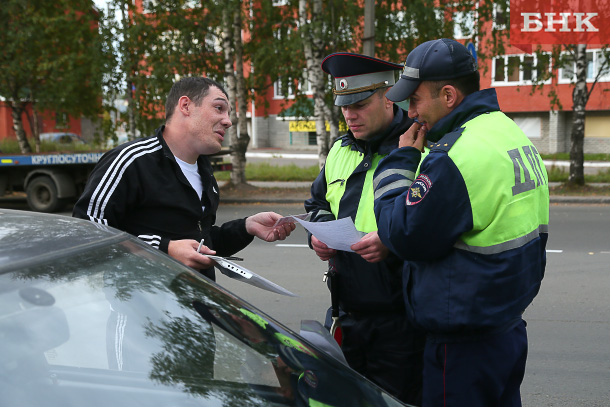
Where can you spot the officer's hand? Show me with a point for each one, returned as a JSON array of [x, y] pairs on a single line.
[[370, 248], [261, 226], [324, 252], [414, 137], [185, 251]]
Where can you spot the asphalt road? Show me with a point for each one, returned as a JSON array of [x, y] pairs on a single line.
[[568, 323]]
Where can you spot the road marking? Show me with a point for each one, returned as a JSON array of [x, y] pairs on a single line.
[[282, 155], [304, 245]]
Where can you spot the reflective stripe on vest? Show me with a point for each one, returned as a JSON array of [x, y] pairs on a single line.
[[509, 194], [341, 163]]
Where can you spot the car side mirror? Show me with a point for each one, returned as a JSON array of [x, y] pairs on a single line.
[[319, 336]]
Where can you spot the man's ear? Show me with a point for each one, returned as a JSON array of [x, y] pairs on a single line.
[[184, 104], [451, 96], [388, 103]]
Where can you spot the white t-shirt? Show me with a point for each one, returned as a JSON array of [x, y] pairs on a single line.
[[191, 173]]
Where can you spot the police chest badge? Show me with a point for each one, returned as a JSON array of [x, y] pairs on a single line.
[[419, 189]]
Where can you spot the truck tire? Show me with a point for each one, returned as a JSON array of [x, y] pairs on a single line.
[[42, 195]]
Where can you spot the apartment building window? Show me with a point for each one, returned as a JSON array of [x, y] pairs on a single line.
[[286, 90], [514, 70], [312, 138], [61, 120], [463, 24], [596, 61], [149, 6], [282, 90], [305, 85], [500, 18]]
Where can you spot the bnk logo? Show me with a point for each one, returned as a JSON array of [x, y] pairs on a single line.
[[532, 22], [559, 22]]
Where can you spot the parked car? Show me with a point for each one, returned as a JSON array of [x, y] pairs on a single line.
[[91, 316], [62, 138]]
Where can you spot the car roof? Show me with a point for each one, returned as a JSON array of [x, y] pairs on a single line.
[[29, 237]]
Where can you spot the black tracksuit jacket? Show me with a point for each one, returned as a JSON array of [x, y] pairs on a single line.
[[139, 187]]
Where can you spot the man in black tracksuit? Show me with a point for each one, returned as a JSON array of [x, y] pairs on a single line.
[[377, 339], [162, 189]]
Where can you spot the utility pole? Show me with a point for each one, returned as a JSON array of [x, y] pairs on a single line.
[[368, 40]]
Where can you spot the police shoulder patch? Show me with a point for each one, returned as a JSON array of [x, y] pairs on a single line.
[[419, 189]]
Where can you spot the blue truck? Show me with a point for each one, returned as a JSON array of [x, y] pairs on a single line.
[[52, 180]]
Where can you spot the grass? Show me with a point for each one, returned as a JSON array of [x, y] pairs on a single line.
[[566, 157], [585, 190], [562, 175], [267, 172], [12, 147]]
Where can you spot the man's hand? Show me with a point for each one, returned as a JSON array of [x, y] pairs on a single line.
[[261, 226], [414, 137], [370, 248], [324, 252], [185, 251]]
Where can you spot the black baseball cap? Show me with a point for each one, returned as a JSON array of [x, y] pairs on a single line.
[[358, 76], [434, 60]]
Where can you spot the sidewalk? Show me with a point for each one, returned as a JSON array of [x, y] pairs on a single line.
[[298, 192]]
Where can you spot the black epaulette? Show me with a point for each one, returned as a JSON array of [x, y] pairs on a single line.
[[447, 141]]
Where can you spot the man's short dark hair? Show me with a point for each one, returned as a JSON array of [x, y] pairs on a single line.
[[465, 84], [195, 88]]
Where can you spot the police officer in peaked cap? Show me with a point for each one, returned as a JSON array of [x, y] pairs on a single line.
[[366, 284]]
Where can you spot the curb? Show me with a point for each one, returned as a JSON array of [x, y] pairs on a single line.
[[557, 199], [554, 199], [580, 199], [261, 201]]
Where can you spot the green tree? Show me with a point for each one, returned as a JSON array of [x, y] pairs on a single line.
[[281, 43], [328, 26], [52, 59]]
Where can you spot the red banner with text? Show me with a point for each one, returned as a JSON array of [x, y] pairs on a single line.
[[540, 22]]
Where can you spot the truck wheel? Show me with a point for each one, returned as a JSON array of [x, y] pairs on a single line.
[[42, 195]]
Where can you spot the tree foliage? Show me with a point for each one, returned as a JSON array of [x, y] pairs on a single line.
[[52, 59]]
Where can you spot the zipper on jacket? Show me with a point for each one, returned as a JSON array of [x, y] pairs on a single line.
[[342, 181], [199, 226]]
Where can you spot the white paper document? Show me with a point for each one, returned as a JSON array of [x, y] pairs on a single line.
[[337, 234]]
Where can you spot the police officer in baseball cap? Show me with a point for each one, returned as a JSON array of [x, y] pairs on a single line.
[[473, 235], [433, 61], [366, 283]]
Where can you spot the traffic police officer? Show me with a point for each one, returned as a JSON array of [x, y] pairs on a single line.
[[377, 339], [471, 221]]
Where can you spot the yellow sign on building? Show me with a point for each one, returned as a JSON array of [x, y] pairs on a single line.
[[310, 125]]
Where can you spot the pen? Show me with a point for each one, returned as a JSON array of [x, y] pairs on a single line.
[[200, 244]]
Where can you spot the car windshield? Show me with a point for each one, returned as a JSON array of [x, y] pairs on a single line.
[[123, 325]]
